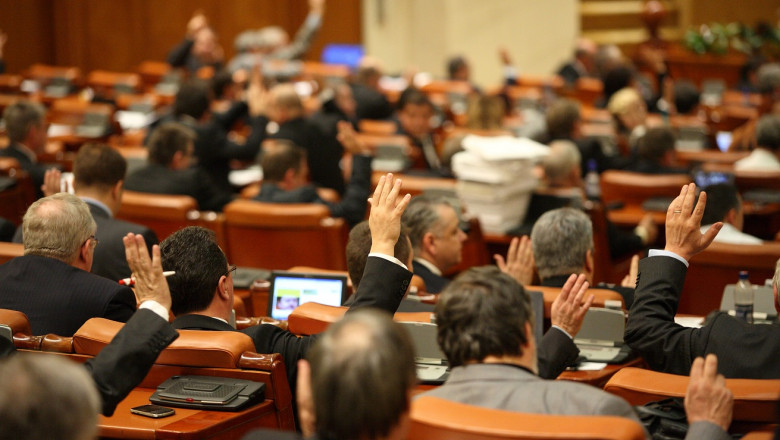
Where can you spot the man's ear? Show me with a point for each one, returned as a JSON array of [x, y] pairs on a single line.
[[306, 415], [731, 216], [589, 263], [116, 191], [428, 242], [222, 288]]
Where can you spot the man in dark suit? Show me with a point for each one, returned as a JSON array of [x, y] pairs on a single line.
[[285, 181], [415, 111], [655, 153], [370, 102], [562, 242], [202, 289], [98, 179], [169, 170], [51, 283], [743, 350], [583, 63], [27, 133]]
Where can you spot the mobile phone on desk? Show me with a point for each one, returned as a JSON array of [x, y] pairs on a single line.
[[153, 411]]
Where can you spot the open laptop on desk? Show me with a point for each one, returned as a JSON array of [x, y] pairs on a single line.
[[289, 290], [432, 366], [601, 337]]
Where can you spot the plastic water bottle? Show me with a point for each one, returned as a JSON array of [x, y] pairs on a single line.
[[743, 298], [592, 182]]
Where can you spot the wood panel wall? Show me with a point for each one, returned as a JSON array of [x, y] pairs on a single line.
[[119, 34]]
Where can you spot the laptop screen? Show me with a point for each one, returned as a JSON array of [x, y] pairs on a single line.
[[288, 290]]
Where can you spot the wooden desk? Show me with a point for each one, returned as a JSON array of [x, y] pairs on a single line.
[[185, 424], [598, 378]]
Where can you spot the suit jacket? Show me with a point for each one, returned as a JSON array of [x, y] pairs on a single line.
[[433, 283], [58, 298], [181, 56], [35, 169], [384, 284], [513, 388], [743, 350], [371, 104], [109, 260], [131, 353], [352, 206], [193, 182]]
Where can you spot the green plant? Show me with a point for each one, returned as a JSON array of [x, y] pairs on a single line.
[[717, 38]]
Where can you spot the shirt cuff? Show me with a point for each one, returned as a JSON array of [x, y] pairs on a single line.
[[389, 258], [663, 253], [563, 331], [156, 307]]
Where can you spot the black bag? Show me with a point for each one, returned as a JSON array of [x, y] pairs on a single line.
[[664, 419]]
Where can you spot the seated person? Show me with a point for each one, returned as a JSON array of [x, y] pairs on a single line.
[[744, 351], [629, 112], [655, 153], [725, 205], [765, 156], [169, 172], [25, 123], [484, 322], [562, 242], [415, 111], [370, 102], [285, 171], [98, 179], [199, 48], [51, 283], [582, 64], [202, 289]]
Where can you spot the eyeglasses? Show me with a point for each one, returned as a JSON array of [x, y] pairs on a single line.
[[231, 269]]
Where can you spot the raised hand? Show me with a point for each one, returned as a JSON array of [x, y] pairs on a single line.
[[519, 263], [384, 221], [630, 279], [568, 309], [51, 182], [150, 283], [348, 138], [707, 398], [683, 224]]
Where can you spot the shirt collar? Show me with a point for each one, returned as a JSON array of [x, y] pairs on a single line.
[[99, 204], [430, 266]]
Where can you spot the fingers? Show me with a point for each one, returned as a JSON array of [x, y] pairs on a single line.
[[710, 367], [688, 199], [697, 369], [698, 212], [514, 248], [386, 188], [567, 287], [394, 190], [401, 206], [709, 236], [500, 262]]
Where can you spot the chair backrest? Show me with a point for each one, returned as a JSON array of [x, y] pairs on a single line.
[[313, 318], [718, 265], [106, 81], [164, 214], [416, 185], [46, 73], [439, 419], [635, 188], [378, 127], [279, 236], [755, 400], [9, 251], [606, 269]]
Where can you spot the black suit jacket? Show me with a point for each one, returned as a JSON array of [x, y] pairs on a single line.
[[352, 206], [34, 169], [110, 261], [193, 182], [433, 283], [58, 298], [371, 104], [743, 350], [122, 364]]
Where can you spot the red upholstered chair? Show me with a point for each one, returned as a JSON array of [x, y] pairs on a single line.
[[634, 188], [164, 214]]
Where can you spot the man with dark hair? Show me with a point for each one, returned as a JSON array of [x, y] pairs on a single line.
[[202, 289], [367, 360], [199, 47], [371, 103], [766, 155], [485, 323], [285, 172], [51, 283], [414, 113], [169, 171], [725, 205], [27, 132], [655, 153], [98, 179], [686, 96], [582, 64]]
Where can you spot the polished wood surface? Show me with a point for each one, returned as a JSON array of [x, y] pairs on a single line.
[[185, 424], [599, 378]]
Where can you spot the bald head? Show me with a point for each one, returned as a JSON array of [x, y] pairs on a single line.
[[57, 227]]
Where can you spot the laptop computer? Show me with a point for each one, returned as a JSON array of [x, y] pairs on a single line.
[[763, 303], [432, 365], [601, 337], [288, 290]]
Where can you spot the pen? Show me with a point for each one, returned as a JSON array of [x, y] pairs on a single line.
[[131, 281]]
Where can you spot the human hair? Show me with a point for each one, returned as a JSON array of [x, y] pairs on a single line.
[[199, 263], [454, 64], [776, 278], [413, 96], [483, 312], [167, 139], [57, 226], [359, 246], [221, 80], [284, 96], [278, 157], [484, 112], [98, 165], [44, 396], [421, 217], [768, 78], [721, 198], [768, 132], [20, 117], [362, 369], [616, 79], [623, 100], [655, 143], [193, 99], [561, 118], [558, 164], [560, 240], [686, 96]]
